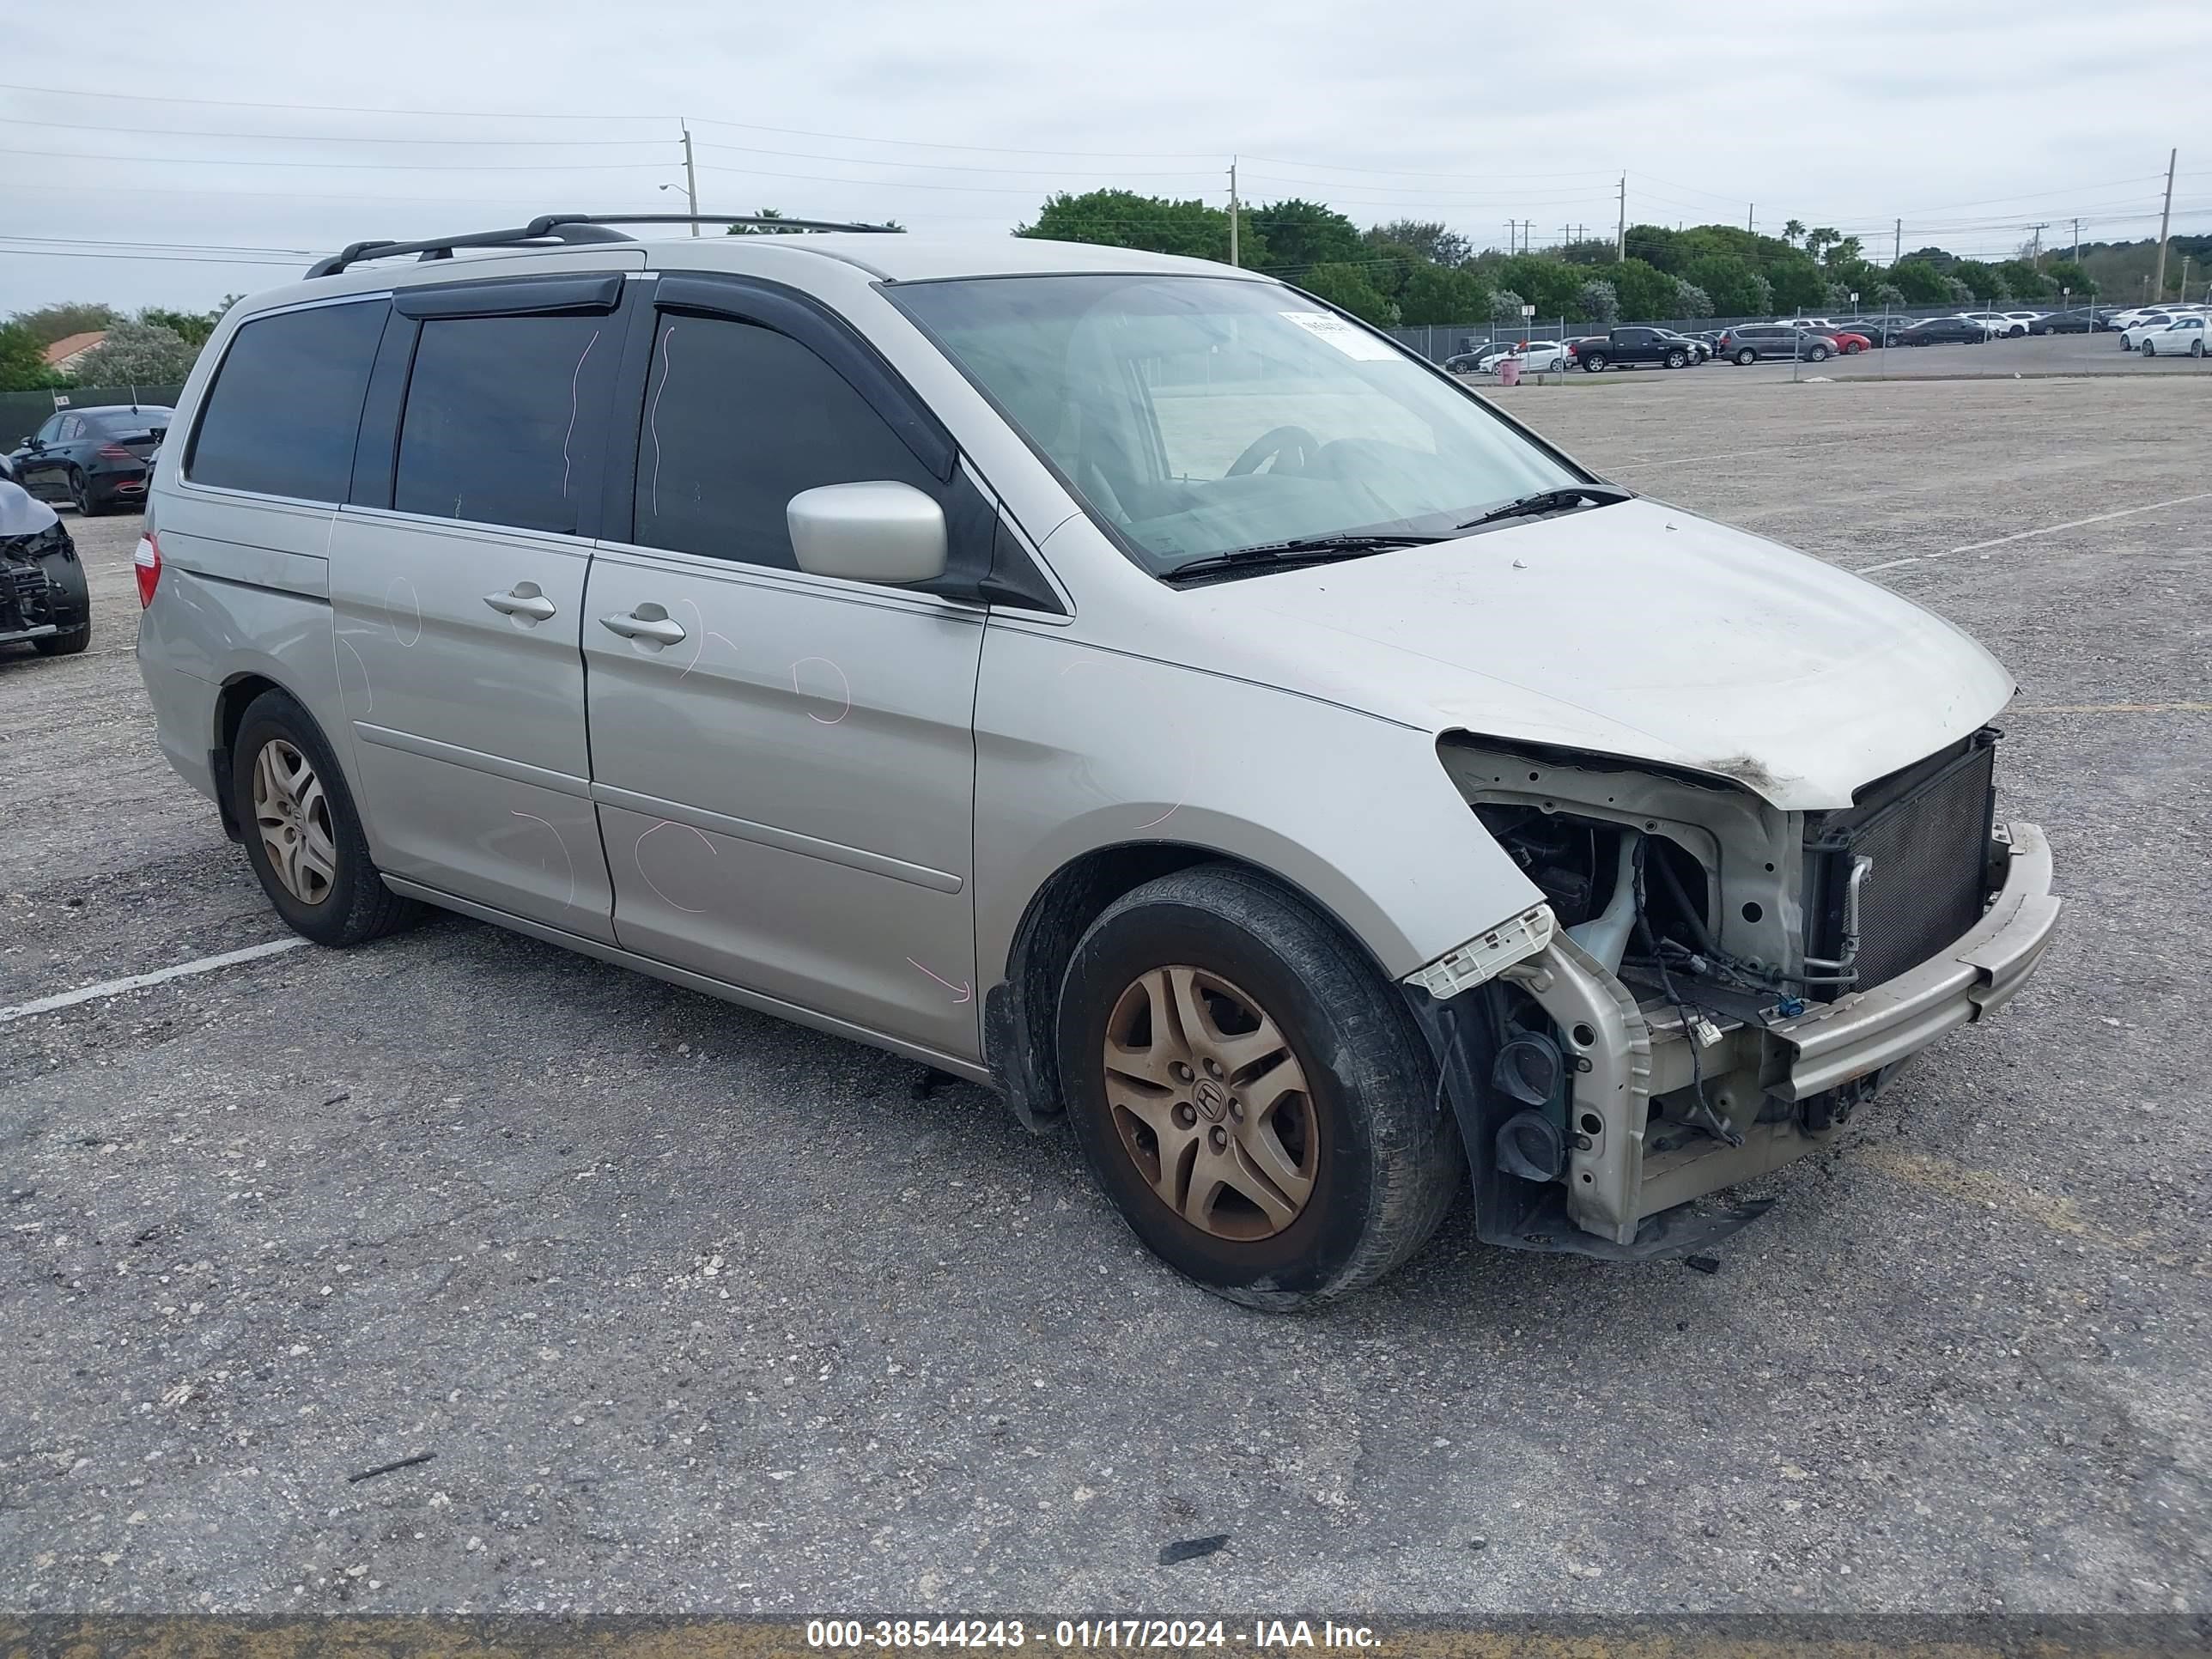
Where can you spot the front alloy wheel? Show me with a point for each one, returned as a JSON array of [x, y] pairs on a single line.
[[1210, 1103], [1251, 1094]]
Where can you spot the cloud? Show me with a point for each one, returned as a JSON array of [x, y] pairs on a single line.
[[962, 119]]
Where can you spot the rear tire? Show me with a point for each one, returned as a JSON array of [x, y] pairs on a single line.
[[1593, 362], [300, 812], [2150, 349], [1304, 1163], [70, 574]]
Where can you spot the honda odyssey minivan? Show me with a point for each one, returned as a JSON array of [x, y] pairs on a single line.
[[1123, 681]]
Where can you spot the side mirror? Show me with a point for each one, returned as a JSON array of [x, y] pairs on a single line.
[[878, 531]]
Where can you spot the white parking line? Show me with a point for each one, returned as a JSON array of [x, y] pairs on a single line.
[[117, 986], [2021, 535]]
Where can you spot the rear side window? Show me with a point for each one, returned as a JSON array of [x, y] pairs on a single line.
[[285, 408], [738, 419], [505, 419]]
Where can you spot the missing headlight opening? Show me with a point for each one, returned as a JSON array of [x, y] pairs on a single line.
[[1706, 941]]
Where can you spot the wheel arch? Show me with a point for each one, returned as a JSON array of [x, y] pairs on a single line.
[[1021, 1010], [237, 694]]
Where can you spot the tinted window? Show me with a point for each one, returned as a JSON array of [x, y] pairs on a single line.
[[51, 432], [285, 408], [504, 419], [739, 419]]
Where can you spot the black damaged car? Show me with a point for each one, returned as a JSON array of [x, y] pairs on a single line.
[[45, 601]]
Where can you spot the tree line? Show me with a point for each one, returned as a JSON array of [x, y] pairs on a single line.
[[1416, 271], [156, 347]]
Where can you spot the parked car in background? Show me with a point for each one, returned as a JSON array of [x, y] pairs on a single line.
[[1995, 324], [1945, 331], [1629, 347], [94, 460], [2133, 335], [2026, 321], [2182, 338], [1700, 349], [1849, 341], [45, 601], [2078, 321], [1878, 330], [1752, 341]]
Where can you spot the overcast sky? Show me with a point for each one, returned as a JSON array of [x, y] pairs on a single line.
[[1969, 122]]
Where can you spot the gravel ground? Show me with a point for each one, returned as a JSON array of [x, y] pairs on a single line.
[[696, 1311]]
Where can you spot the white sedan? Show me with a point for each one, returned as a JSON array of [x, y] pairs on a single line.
[[2184, 337], [1537, 357]]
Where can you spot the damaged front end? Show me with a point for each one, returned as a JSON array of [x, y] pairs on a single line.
[[1712, 983]]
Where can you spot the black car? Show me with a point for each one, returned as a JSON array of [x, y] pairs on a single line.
[[45, 601], [92, 459], [2067, 322], [1879, 331], [1944, 331]]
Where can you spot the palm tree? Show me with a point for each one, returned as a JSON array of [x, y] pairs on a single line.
[[1793, 230]]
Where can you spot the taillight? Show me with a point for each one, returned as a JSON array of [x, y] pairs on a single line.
[[146, 565], [114, 453]]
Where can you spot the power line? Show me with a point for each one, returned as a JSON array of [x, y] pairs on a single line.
[[338, 137], [349, 167]]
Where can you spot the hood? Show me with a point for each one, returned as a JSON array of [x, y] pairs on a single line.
[[23, 514], [1635, 630]]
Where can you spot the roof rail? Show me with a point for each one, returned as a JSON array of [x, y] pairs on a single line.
[[564, 228]]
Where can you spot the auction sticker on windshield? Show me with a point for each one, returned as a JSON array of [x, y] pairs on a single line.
[[1352, 341]]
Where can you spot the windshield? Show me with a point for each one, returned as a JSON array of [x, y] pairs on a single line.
[[1194, 415]]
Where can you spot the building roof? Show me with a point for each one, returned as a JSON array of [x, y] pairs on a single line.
[[70, 347]]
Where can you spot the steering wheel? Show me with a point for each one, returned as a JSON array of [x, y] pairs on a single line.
[[1283, 441]]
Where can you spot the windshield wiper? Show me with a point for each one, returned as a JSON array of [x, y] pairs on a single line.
[[1301, 550], [1549, 500]]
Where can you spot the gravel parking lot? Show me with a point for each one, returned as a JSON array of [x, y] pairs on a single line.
[[694, 1310]]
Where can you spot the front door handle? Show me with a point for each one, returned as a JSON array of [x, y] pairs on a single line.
[[523, 599], [662, 629]]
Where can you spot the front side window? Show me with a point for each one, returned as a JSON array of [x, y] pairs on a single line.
[[505, 419], [1195, 416], [51, 431], [738, 420], [284, 414]]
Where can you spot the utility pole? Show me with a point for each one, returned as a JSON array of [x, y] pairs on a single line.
[[2078, 242], [2165, 218], [1232, 210], [2035, 252], [1897, 243], [1620, 237], [1750, 223], [690, 176]]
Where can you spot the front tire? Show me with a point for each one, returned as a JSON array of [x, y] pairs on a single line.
[[302, 833], [1251, 1093], [1819, 354], [1745, 358], [1678, 359]]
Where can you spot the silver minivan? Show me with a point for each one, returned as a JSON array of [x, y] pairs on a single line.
[[1123, 681]]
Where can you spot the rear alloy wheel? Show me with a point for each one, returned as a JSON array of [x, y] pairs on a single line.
[[2196, 348], [302, 835], [1745, 358], [1593, 362], [1251, 1093], [80, 494]]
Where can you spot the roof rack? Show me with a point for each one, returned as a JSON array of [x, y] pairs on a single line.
[[562, 228]]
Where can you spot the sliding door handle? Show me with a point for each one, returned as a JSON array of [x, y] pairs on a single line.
[[661, 630]]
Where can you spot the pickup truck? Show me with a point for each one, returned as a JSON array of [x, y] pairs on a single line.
[[1625, 346]]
